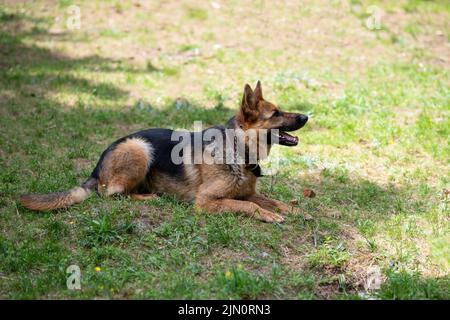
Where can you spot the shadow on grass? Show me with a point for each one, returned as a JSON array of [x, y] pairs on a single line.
[[34, 124], [41, 140], [27, 68]]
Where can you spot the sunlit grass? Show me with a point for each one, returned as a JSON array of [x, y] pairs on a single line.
[[375, 150]]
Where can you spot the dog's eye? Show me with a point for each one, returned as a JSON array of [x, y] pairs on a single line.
[[276, 113]]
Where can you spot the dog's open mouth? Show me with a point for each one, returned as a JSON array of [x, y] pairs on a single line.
[[286, 139]]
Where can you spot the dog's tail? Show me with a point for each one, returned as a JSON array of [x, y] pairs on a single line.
[[62, 199]]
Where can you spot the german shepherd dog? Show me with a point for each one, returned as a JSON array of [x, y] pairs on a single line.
[[140, 165]]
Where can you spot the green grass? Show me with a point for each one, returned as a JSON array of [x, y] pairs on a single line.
[[404, 286], [375, 150], [196, 13], [328, 255]]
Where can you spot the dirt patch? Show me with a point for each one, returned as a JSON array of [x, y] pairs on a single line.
[[361, 270], [327, 291], [149, 218], [222, 254], [293, 253], [424, 31], [82, 164]]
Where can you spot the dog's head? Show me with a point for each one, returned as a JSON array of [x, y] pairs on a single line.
[[257, 113]]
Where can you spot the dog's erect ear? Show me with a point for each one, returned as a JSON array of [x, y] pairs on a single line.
[[257, 94], [248, 111], [247, 100]]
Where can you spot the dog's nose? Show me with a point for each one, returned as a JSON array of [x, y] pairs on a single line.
[[302, 118]]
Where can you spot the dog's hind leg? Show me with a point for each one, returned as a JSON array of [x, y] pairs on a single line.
[[125, 168]]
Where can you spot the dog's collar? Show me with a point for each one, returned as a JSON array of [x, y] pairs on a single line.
[[255, 169]]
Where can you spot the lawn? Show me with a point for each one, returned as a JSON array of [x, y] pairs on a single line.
[[374, 77]]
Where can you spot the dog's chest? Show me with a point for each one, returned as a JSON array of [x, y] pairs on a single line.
[[244, 181]]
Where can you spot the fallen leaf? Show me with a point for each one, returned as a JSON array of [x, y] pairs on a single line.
[[308, 193]]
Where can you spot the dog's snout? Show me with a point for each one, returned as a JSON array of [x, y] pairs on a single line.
[[302, 118]]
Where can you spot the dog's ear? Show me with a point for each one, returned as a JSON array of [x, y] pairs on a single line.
[[247, 100], [257, 94], [248, 111]]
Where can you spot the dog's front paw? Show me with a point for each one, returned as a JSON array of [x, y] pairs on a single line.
[[283, 208], [268, 216]]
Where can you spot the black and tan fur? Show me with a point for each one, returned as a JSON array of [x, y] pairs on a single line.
[[140, 165]]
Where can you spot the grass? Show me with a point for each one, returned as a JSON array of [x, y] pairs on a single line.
[[404, 286], [328, 255], [375, 150]]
